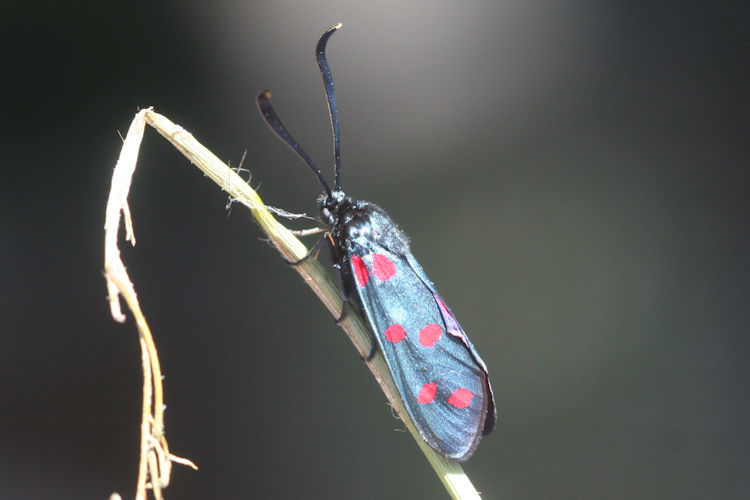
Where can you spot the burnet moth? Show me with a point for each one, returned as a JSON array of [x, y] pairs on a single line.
[[439, 375]]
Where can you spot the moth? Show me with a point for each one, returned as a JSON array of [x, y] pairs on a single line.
[[440, 377]]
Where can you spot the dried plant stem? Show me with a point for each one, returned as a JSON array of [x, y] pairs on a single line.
[[155, 460], [155, 457]]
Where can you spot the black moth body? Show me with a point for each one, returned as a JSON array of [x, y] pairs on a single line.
[[439, 375]]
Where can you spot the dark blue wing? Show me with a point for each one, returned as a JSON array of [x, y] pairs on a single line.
[[442, 380]]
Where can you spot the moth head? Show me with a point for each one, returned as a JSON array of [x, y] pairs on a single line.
[[331, 206]]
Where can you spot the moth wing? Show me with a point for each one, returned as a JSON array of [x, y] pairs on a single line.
[[454, 328], [441, 379]]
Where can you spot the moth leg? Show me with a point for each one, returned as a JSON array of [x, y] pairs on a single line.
[[343, 312], [373, 344], [345, 297], [373, 348], [314, 251], [342, 291], [307, 232]]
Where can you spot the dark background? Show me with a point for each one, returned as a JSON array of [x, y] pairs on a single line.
[[573, 176]]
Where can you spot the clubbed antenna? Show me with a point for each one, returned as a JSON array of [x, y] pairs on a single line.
[[325, 71], [273, 121]]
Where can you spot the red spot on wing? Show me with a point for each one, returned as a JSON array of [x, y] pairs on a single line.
[[360, 270], [427, 393], [461, 398], [395, 333], [383, 267], [443, 306], [430, 334]]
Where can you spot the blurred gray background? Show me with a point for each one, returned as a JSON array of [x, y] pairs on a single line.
[[573, 177]]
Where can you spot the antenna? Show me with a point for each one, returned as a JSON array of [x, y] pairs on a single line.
[[273, 121], [325, 71]]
